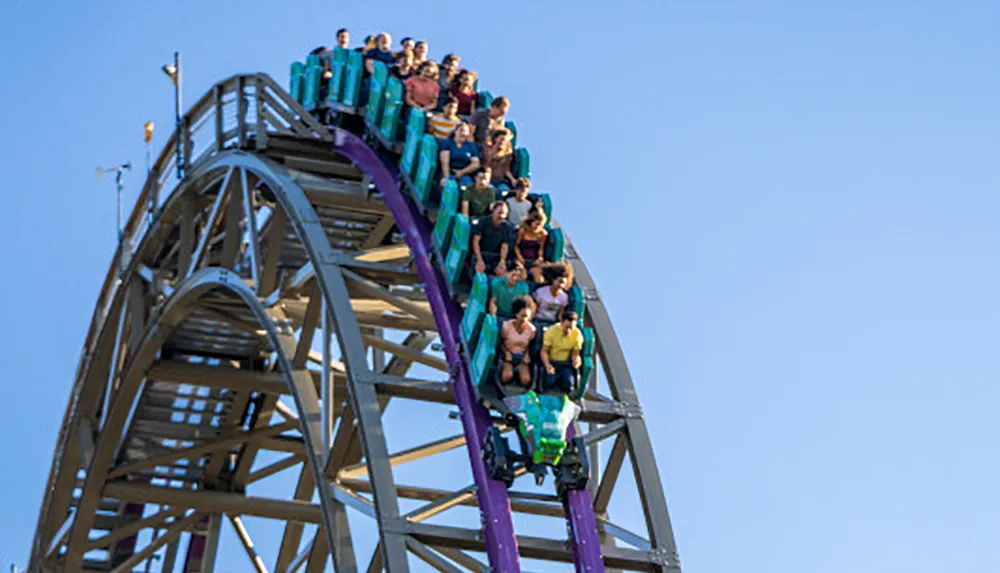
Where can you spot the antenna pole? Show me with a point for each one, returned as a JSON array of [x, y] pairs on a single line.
[[180, 142]]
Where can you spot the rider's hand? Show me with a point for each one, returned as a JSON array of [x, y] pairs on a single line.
[[550, 370]]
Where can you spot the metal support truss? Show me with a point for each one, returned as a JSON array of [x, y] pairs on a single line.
[[270, 307]]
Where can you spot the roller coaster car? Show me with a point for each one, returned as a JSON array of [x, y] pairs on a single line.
[[541, 422]]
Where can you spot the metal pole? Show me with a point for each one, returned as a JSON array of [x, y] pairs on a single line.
[[326, 386], [179, 141]]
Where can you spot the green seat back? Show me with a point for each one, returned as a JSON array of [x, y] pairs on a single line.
[[480, 289], [586, 372], [446, 215], [391, 109], [577, 302], [486, 348], [311, 81], [338, 67], [415, 125], [458, 250], [555, 246], [589, 341], [513, 132], [485, 99], [353, 75], [376, 93], [522, 163], [295, 77], [427, 165], [472, 321], [546, 205]]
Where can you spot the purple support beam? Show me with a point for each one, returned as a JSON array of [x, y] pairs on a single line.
[[582, 525], [494, 504]]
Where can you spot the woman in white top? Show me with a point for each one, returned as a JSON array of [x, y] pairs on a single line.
[[551, 300]]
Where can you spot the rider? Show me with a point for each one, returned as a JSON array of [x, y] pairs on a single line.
[[506, 290], [561, 348], [491, 240], [516, 335]]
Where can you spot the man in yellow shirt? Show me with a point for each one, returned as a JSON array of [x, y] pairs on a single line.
[[561, 353]]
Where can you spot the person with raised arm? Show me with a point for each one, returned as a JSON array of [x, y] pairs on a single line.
[[458, 156], [561, 346], [491, 240], [516, 335]]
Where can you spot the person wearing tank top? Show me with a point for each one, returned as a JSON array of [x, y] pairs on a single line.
[[516, 335]]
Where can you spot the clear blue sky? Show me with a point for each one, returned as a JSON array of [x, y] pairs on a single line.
[[791, 209]]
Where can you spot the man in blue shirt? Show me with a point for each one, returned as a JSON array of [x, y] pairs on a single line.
[[458, 156], [381, 53]]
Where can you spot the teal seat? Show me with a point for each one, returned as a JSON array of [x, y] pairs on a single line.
[[391, 109], [589, 342], [587, 369], [555, 246], [522, 163], [485, 99], [312, 80], [472, 321], [576, 301], [458, 251], [338, 67], [353, 76], [546, 205], [513, 132], [415, 127], [376, 93], [427, 165], [586, 372], [295, 77], [480, 289], [486, 348], [446, 215]]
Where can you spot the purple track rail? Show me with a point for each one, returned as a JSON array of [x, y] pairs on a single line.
[[494, 503]]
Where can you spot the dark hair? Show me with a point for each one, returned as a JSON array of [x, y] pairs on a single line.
[[496, 204], [522, 183], [518, 304], [569, 315], [484, 169], [424, 42], [403, 41], [318, 50], [449, 58], [499, 102], [342, 30], [450, 100]]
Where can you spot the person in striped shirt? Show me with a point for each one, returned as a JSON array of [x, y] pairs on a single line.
[[440, 125]]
